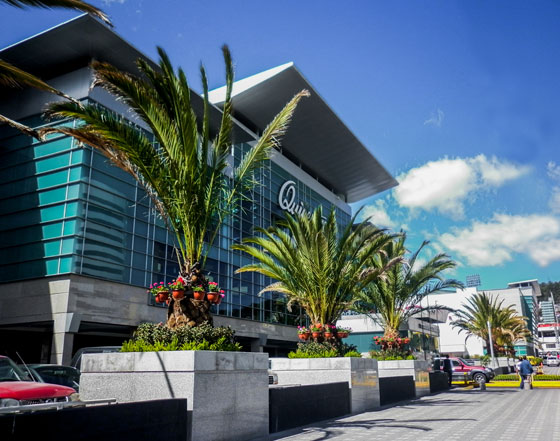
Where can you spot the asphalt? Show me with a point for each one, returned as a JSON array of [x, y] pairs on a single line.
[[460, 414]]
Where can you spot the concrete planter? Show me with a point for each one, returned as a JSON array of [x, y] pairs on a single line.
[[226, 392], [417, 369], [359, 373]]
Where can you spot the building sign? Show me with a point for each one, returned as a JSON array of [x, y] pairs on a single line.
[[287, 199]]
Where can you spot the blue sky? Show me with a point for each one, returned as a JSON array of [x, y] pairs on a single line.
[[458, 100]]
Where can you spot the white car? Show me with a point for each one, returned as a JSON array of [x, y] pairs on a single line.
[[552, 361]]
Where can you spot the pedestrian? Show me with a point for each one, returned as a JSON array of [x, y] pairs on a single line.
[[525, 371], [448, 368], [518, 365]]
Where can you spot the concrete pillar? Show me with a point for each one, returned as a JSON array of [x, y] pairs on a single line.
[[62, 343], [64, 327], [257, 345]]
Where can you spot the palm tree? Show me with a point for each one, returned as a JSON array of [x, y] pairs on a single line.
[[314, 264], [12, 76], [77, 5], [391, 300], [187, 175], [506, 325]]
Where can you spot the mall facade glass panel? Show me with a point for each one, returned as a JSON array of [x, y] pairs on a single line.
[[66, 209]]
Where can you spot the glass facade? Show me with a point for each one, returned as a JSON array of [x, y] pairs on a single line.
[[65, 209]]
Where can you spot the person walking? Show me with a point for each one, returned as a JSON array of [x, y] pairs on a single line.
[[525, 371], [448, 368]]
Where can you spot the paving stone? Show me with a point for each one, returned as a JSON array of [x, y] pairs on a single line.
[[497, 414]]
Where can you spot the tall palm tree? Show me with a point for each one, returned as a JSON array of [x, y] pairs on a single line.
[[11, 76], [393, 299], [185, 171], [506, 325], [314, 264]]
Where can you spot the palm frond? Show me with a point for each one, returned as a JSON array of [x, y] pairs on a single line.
[[77, 5]]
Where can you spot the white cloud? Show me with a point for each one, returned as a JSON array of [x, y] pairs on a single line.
[[496, 242], [446, 184], [377, 214], [553, 172], [436, 119]]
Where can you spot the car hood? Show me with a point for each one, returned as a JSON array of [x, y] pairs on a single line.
[[480, 368], [29, 390]]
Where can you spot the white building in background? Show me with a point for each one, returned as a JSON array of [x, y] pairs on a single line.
[[521, 295]]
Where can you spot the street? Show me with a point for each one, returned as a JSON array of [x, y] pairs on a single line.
[[460, 414]]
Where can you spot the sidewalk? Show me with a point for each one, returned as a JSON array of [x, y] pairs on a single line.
[[462, 415]]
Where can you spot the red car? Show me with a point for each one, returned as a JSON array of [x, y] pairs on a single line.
[[462, 370], [16, 388]]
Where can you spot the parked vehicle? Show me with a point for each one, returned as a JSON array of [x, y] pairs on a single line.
[[552, 361], [462, 370], [18, 389], [77, 358], [54, 374]]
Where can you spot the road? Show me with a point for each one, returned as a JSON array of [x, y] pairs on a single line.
[[457, 415]]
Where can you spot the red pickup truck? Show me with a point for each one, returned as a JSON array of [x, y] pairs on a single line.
[[16, 389]]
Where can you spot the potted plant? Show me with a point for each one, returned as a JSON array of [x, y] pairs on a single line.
[[159, 291], [316, 330], [343, 332], [178, 287], [215, 293], [328, 331], [303, 333], [198, 292]]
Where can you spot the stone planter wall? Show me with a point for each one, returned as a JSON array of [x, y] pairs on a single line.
[[359, 373], [226, 392], [417, 369]]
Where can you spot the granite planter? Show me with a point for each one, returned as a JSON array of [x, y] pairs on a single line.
[[226, 392], [359, 373], [419, 370]]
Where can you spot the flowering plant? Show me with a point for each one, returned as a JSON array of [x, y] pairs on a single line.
[[214, 287], [343, 330], [178, 284], [302, 330], [198, 288], [329, 328], [316, 328], [389, 342], [158, 288]]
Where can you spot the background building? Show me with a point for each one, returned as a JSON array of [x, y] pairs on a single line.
[[80, 240]]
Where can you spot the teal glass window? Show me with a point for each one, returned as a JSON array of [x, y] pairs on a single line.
[[52, 163], [65, 265], [51, 248], [67, 246], [52, 213]]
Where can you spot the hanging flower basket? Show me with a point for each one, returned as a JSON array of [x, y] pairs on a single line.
[[199, 295], [328, 334], [162, 297], [213, 297], [178, 294]]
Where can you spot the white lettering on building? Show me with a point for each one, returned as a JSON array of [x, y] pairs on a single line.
[[287, 199]]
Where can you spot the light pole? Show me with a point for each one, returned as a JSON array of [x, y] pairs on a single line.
[[555, 321], [491, 344]]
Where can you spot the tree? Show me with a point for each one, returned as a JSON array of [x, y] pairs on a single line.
[[187, 175], [506, 325], [391, 300], [314, 264], [11, 76]]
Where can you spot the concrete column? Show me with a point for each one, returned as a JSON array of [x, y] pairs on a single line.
[[64, 328], [62, 343], [257, 345]]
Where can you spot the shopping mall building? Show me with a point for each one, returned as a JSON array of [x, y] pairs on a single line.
[[80, 240]]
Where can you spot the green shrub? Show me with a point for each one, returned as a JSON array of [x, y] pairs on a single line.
[[506, 378], [547, 377], [150, 337], [313, 349], [355, 354], [391, 355]]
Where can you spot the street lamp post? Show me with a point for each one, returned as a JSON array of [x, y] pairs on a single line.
[[491, 343]]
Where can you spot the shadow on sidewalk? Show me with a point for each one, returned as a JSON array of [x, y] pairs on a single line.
[[332, 429]]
